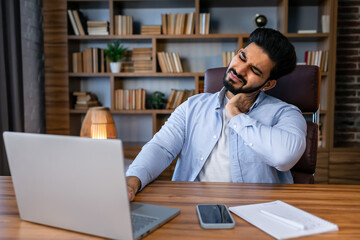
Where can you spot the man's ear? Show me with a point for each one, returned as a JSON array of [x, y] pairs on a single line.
[[269, 85]]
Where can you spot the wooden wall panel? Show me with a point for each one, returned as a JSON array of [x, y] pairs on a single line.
[[56, 67], [322, 168], [56, 79], [344, 168]]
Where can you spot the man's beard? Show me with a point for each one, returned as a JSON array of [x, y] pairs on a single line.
[[230, 87]]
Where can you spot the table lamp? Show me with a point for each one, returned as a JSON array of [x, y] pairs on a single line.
[[98, 124]]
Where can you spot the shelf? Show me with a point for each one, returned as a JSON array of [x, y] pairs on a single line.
[[230, 25], [242, 3], [347, 148], [88, 1], [306, 2], [154, 4], [292, 36], [159, 36], [146, 111], [306, 36], [138, 74]]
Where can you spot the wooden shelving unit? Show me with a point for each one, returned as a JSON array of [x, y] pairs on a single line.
[[230, 25]]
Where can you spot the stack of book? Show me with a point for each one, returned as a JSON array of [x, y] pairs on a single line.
[[150, 29], [169, 62], [90, 60], [127, 63], [318, 58], [130, 99], [204, 21], [85, 100], [177, 97], [97, 27], [226, 57], [76, 22], [123, 25], [142, 59], [180, 23]]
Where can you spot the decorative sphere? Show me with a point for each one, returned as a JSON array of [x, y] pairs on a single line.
[[260, 20]]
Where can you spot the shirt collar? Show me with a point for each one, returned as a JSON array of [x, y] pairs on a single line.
[[222, 95]]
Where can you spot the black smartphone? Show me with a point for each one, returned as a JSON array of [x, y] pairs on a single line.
[[214, 216]]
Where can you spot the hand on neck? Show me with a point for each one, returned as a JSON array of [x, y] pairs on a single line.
[[240, 103]]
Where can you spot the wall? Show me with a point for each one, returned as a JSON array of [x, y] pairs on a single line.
[[33, 65], [347, 100]]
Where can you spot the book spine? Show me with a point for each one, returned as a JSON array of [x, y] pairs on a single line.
[[73, 23]]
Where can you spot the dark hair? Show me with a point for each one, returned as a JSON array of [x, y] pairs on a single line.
[[278, 48]]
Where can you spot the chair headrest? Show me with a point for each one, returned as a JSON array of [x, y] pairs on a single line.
[[300, 88]]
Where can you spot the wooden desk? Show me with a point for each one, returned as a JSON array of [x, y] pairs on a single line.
[[339, 204]]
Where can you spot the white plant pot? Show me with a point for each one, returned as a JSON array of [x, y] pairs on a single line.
[[115, 67]]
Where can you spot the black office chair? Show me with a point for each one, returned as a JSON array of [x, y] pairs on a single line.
[[300, 88]]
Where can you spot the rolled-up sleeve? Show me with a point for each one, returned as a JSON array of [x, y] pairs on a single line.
[[282, 144]]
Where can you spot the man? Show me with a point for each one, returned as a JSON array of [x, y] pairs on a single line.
[[239, 134]]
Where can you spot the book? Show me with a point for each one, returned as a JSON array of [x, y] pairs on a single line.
[[73, 23], [74, 62], [172, 61], [170, 23], [325, 23], [175, 99], [227, 57], [282, 220], [207, 23], [84, 100], [80, 93], [168, 64], [189, 23], [150, 29], [161, 62], [307, 31], [78, 22], [164, 27], [204, 21], [318, 58], [130, 99], [170, 99], [123, 25], [97, 27], [180, 98], [178, 62]]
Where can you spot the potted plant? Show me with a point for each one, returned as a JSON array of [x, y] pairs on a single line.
[[158, 100], [115, 53]]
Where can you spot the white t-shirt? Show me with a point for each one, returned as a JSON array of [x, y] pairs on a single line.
[[217, 166]]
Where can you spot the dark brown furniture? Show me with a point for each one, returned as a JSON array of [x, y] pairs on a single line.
[[300, 88]]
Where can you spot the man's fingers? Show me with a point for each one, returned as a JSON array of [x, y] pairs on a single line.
[[131, 194], [133, 185]]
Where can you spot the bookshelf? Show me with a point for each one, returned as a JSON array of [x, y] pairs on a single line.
[[229, 28]]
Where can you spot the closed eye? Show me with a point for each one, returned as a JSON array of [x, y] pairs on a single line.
[[254, 69], [242, 56]]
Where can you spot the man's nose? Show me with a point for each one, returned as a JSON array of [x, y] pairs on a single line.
[[241, 69]]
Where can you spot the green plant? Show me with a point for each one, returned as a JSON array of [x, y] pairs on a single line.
[[157, 100], [115, 51]]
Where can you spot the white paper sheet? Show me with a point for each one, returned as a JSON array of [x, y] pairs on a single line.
[[279, 229]]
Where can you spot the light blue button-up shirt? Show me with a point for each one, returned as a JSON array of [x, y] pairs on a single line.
[[263, 144]]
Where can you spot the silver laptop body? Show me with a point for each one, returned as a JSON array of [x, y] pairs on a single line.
[[77, 184]]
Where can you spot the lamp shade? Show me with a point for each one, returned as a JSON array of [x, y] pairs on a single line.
[[98, 124]]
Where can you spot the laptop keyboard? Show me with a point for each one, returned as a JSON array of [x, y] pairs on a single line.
[[140, 221]]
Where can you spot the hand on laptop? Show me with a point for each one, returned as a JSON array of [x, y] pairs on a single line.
[[133, 185]]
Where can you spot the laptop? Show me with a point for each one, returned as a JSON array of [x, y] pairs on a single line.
[[78, 184]]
